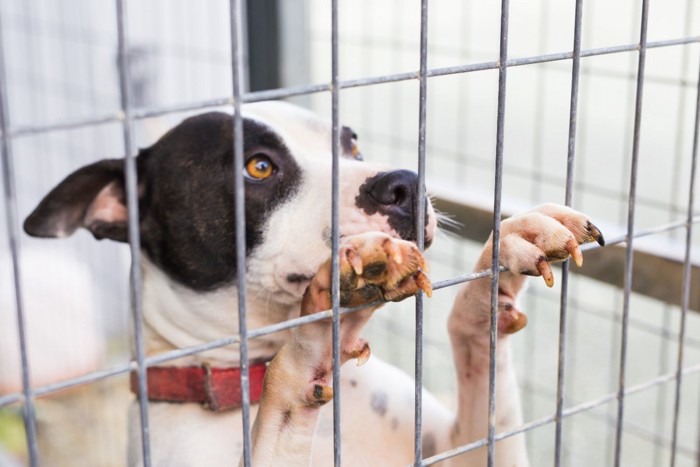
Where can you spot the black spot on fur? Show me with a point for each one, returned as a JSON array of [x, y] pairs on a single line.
[[429, 445], [186, 202], [326, 236], [504, 420], [353, 383], [298, 278], [318, 391], [187, 213], [286, 418], [380, 402]]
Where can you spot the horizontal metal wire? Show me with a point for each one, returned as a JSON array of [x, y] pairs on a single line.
[[638, 429], [605, 314], [285, 325], [128, 115], [573, 410], [257, 96]]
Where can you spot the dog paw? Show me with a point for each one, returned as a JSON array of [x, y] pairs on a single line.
[[529, 242], [548, 233], [373, 267], [376, 266]]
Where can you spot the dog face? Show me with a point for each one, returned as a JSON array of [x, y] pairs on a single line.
[[186, 210]]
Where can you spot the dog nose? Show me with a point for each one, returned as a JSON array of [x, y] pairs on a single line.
[[394, 190], [392, 194]]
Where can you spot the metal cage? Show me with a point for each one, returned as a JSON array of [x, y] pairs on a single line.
[[129, 113]]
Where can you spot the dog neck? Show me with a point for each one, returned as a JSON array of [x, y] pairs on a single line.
[[176, 317]]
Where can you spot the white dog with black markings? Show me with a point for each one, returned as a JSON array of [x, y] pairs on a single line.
[[187, 228]]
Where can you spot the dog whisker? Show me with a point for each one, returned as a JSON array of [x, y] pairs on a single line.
[[447, 221]]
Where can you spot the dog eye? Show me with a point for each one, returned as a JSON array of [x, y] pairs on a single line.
[[356, 150], [258, 167]]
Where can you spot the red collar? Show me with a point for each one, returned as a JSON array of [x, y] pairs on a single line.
[[218, 389]]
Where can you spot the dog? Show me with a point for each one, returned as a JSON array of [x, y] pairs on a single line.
[[187, 223]]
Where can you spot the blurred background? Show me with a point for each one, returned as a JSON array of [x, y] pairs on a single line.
[[60, 65]]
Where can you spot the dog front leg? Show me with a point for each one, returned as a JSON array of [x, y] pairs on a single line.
[[284, 428], [373, 268], [528, 243], [471, 354]]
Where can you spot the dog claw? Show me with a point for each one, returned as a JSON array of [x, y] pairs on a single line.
[[424, 283], [595, 233], [361, 352], [364, 355], [546, 271], [355, 261], [393, 251], [575, 251]]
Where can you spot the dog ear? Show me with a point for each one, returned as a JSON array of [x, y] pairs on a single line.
[[91, 197]]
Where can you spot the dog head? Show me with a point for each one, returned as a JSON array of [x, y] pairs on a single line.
[[186, 209]]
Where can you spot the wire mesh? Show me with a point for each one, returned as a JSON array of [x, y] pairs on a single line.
[[128, 114]]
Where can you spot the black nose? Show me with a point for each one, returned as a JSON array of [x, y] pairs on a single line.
[[394, 190], [392, 194]]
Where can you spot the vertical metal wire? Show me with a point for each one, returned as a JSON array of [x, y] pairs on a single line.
[[335, 234], [134, 233], [13, 234], [239, 212], [539, 130], [564, 298], [687, 270], [498, 184], [420, 229], [629, 256], [661, 404]]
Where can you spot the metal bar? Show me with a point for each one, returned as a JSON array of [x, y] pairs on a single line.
[[573, 410], [497, 192], [288, 324], [420, 232], [131, 184], [643, 326], [630, 230], [643, 233], [641, 430], [291, 91], [564, 297], [335, 232], [677, 174], [686, 278], [129, 116], [239, 212], [579, 408], [13, 234], [484, 441]]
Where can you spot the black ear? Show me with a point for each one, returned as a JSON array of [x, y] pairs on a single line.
[[91, 197]]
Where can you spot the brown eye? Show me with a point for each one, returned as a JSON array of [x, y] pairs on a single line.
[[258, 167], [356, 150]]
